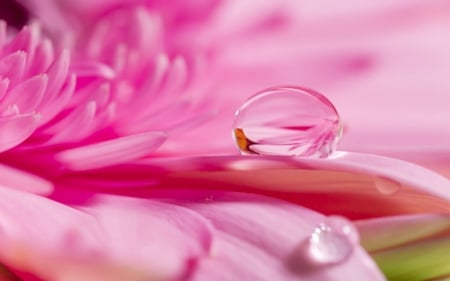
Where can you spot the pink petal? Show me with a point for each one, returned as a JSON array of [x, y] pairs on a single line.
[[150, 86], [18, 179], [57, 72], [13, 66], [111, 237], [73, 127], [50, 108], [176, 77], [160, 118], [32, 224], [16, 129], [228, 264], [266, 233], [27, 95], [43, 57], [92, 69], [354, 185], [25, 40], [141, 230], [206, 234], [111, 152], [4, 84]]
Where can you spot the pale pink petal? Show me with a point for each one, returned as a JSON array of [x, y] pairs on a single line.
[[162, 238], [33, 229], [43, 57], [74, 126], [176, 78], [238, 259], [50, 108], [268, 235], [112, 237], [16, 129], [18, 179], [4, 84], [92, 69], [57, 73], [25, 40], [27, 95], [111, 152], [13, 66]]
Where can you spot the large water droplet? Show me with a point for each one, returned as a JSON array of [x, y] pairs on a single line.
[[332, 241], [290, 121]]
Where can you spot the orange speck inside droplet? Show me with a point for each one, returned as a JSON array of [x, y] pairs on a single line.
[[242, 141]]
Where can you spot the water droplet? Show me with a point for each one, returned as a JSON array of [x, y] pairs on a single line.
[[289, 121], [332, 241], [386, 186]]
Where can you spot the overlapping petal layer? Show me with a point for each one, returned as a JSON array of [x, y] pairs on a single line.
[[192, 235]]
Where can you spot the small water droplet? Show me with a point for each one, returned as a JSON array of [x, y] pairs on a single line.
[[343, 226], [290, 121], [332, 241], [386, 186]]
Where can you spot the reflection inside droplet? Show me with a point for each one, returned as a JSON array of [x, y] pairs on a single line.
[[287, 121], [332, 241]]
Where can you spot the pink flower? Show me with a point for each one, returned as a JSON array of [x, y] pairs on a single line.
[[144, 75], [34, 83]]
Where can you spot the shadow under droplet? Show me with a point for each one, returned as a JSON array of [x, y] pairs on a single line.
[[301, 262]]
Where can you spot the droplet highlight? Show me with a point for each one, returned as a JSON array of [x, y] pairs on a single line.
[[333, 241], [289, 121]]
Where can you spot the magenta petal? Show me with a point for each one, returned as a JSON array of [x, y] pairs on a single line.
[[111, 152], [16, 129]]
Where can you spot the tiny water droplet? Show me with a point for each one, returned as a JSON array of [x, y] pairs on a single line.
[[290, 121], [386, 186], [333, 241]]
